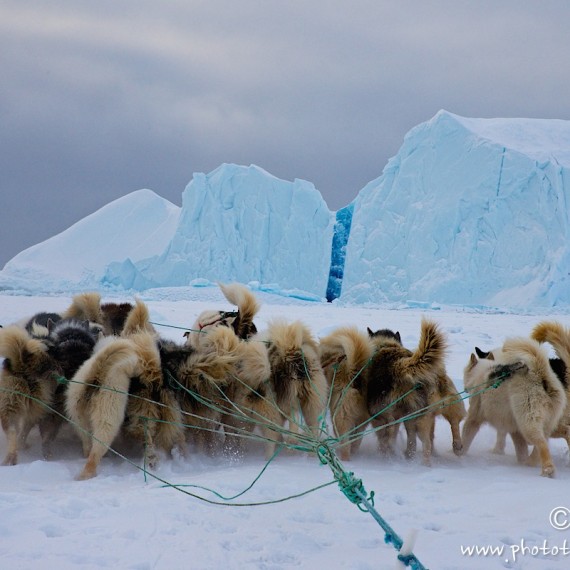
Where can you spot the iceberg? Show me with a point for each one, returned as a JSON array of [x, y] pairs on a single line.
[[470, 211], [136, 226], [240, 223]]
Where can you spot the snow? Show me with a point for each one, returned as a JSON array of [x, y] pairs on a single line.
[[470, 211], [120, 520]]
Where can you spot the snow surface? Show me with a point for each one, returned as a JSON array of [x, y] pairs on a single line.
[[118, 520], [470, 211]]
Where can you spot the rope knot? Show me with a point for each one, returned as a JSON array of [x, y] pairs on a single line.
[[61, 379]]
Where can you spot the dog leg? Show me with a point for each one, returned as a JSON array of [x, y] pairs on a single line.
[[25, 433], [535, 436], [533, 460], [546, 462], [150, 453], [357, 435], [49, 428], [454, 423], [343, 426], [470, 428], [107, 416], [385, 435], [411, 432], [424, 429], [521, 446], [500, 442], [12, 432]]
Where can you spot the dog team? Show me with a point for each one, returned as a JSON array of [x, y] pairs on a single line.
[[104, 368]]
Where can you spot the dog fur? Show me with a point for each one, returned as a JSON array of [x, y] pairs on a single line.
[[114, 316], [297, 379], [345, 353], [70, 343], [122, 387], [402, 383], [559, 337], [241, 320], [250, 401], [27, 388], [201, 375], [445, 402], [528, 404], [85, 307], [38, 326]]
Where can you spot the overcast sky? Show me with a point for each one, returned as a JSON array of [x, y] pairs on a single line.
[[98, 99]]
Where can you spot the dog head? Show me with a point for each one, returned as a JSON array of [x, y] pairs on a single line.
[[71, 342], [385, 333], [208, 320]]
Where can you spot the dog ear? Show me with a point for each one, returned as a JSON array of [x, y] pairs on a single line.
[[370, 333], [481, 353], [398, 337], [472, 361], [491, 356], [50, 326]]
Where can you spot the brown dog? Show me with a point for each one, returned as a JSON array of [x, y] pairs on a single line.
[[345, 354], [402, 385]]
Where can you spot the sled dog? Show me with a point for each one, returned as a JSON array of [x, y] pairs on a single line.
[[241, 320], [297, 379], [527, 404], [122, 387], [401, 386], [345, 353]]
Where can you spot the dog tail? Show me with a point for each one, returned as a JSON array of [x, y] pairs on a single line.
[[112, 355], [555, 334], [247, 304], [85, 306], [293, 352], [101, 389], [349, 344], [528, 352], [138, 320], [218, 354], [253, 364], [428, 358], [289, 338], [16, 346]]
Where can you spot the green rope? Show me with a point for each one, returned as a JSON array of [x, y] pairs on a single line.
[[154, 475], [353, 489], [248, 488]]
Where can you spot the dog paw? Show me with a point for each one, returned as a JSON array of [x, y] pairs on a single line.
[[548, 471], [10, 459], [85, 475]]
